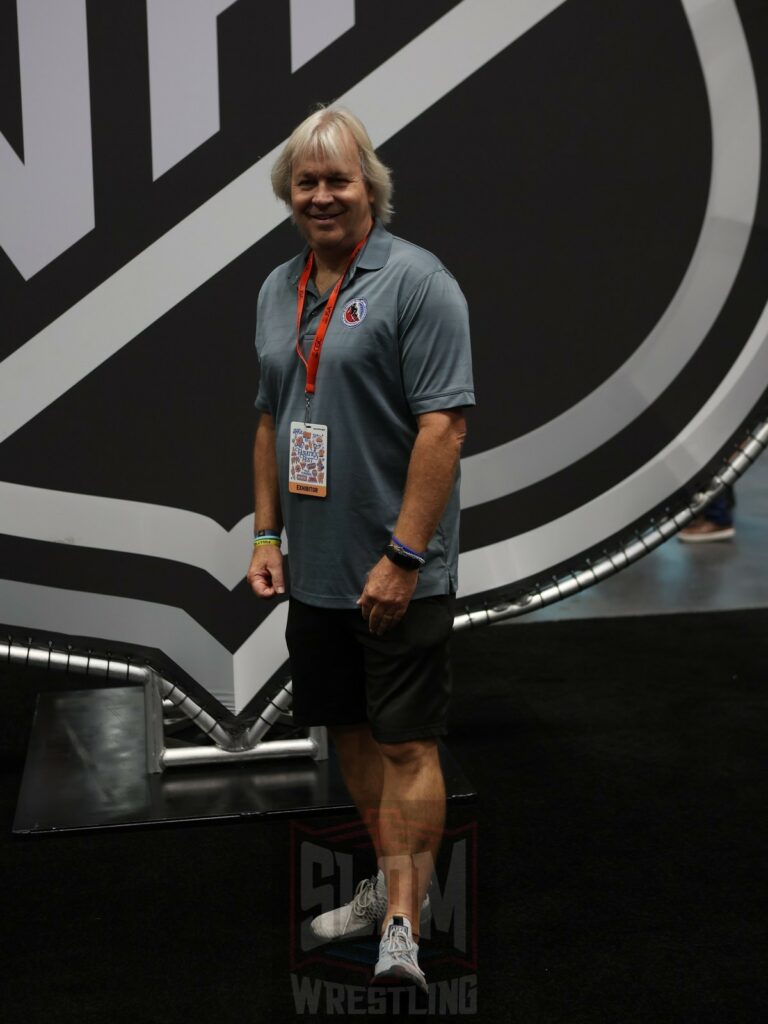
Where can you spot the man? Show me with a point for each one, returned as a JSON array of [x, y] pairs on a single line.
[[363, 343]]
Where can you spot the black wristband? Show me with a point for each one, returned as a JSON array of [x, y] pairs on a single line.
[[404, 561]]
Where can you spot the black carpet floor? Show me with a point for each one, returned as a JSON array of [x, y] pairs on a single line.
[[621, 849]]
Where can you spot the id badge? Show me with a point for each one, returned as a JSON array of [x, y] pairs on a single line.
[[308, 463]]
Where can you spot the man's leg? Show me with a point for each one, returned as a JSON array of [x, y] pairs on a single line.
[[362, 768], [397, 785], [399, 792], [408, 687], [720, 510], [411, 822]]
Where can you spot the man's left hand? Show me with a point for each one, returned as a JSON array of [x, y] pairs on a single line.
[[387, 594]]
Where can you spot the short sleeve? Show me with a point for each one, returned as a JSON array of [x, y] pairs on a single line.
[[262, 402], [435, 354]]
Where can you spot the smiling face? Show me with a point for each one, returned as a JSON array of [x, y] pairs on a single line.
[[331, 201]]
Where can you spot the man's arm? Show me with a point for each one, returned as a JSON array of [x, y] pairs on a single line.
[[431, 474], [266, 570]]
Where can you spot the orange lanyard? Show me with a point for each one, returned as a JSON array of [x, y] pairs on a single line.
[[317, 345]]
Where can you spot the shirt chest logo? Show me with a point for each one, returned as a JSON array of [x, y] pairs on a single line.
[[354, 312]]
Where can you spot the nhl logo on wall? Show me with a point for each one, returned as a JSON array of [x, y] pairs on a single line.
[[354, 312]]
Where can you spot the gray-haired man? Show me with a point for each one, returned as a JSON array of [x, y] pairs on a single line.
[[363, 342]]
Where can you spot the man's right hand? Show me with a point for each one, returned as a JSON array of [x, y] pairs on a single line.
[[266, 571]]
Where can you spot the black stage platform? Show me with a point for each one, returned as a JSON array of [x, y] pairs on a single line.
[[86, 769]]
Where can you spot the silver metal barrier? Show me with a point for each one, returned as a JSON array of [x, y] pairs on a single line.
[[742, 458], [229, 744]]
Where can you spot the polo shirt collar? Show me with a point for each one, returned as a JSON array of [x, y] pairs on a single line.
[[377, 249], [373, 257]]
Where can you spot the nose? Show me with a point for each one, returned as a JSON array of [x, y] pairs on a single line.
[[322, 195]]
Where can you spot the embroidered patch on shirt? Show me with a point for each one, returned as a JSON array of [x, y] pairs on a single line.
[[354, 312]]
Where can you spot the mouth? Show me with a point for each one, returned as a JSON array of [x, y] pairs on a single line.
[[323, 217]]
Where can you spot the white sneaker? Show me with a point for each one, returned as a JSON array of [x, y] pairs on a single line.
[[398, 962], [362, 914], [358, 917]]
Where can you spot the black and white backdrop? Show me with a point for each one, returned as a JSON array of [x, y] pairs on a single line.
[[592, 173]]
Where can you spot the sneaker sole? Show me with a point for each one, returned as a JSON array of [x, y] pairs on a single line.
[[398, 977], [707, 538], [358, 933]]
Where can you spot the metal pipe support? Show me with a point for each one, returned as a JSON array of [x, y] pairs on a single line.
[[175, 756]]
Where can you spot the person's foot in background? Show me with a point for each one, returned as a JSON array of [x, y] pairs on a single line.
[[714, 523]]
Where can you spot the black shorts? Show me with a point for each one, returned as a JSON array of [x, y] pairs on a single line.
[[399, 683]]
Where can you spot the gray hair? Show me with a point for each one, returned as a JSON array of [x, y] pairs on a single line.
[[322, 135]]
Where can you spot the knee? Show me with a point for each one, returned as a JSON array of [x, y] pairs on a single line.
[[341, 734], [352, 742], [413, 754]]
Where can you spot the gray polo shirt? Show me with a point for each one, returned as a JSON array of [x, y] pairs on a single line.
[[397, 346]]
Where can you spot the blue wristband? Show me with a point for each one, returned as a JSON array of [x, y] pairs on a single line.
[[409, 551]]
